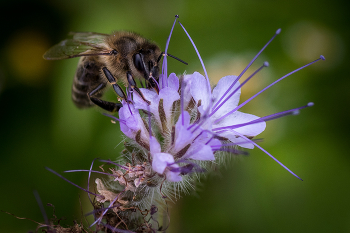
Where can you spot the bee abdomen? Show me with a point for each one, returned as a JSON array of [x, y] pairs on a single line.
[[86, 79]]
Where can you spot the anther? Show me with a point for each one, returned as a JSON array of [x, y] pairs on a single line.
[[322, 57], [266, 64], [278, 31]]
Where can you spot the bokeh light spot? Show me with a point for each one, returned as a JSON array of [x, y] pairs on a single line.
[[305, 41], [24, 52]]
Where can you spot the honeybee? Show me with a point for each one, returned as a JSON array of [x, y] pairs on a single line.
[[104, 59]]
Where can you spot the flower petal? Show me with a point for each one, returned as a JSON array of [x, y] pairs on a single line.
[[200, 151], [187, 97], [183, 137], [154, 146], [199, 89], [168, 95], [173, 82], [220, 89], [173, 176], [238, 140], [149, 95], [240, 118], [161, 161], [131, 121]]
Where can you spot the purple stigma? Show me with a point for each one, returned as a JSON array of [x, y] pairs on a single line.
[[262, 149], [274, 116], [267, 87], [265, 64], [231, 150], [199, 56], [114, 118], [41, 206], [116, 164], [88, 184], [103, 173], [164, 66], [49, 169], [245, 69]]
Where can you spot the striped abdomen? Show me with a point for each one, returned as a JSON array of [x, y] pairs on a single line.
[[87, 78]]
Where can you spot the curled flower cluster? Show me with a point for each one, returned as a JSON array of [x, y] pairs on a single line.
[[179, 132]]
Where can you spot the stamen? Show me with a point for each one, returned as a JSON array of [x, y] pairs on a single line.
[[232, 150], [186, 169], [267, 87], [233, 144], [100, 209], [244, 137], [266, 64], [82, 170], [116, 164], [42, 209], [206, 131], [88, 184], [199, 56], [274, 116], [209, 140], [49, 169], [114, 118], [164, 66], [250, 63]]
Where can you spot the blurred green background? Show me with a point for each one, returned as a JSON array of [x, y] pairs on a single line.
[[41, 127]]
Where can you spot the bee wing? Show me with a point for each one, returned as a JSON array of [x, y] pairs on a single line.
[[82, 44], [89, 37]]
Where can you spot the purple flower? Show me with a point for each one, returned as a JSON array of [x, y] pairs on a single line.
[[215, 111], [188, 123], [131, 122], [179, 131]]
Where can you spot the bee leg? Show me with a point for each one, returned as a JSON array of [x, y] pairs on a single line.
[[132, 84], [114, 84], [106, 105]]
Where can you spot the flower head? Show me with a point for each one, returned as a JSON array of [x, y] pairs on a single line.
[[187, 124], [177, 130]]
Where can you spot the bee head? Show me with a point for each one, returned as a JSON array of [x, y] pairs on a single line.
[[146, 62]]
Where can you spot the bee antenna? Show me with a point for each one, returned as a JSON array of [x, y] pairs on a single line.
[[167, 54]]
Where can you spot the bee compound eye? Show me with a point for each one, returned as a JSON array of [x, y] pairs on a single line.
[[138, 63]]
